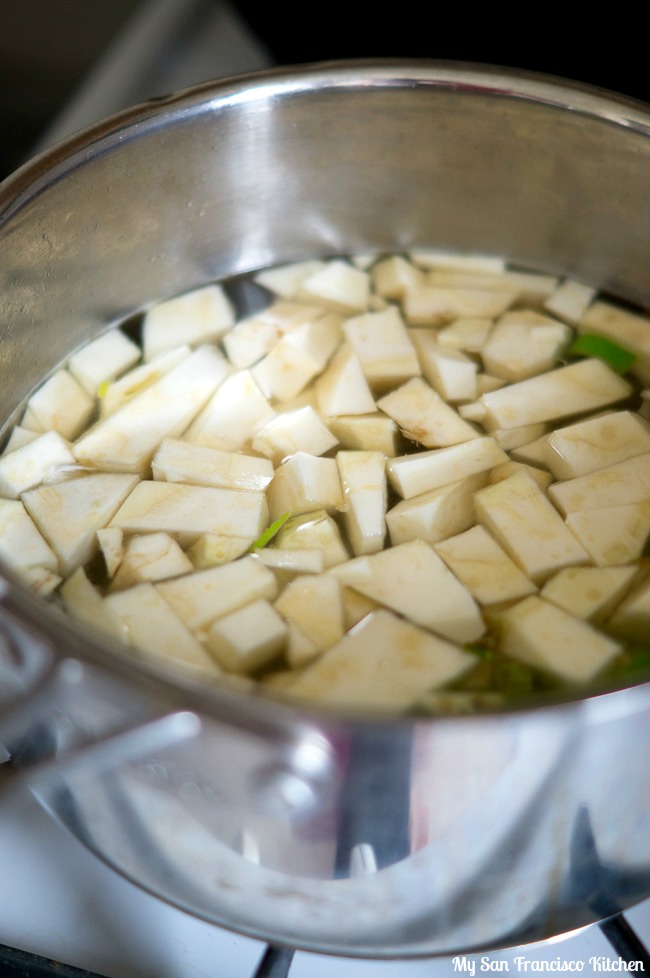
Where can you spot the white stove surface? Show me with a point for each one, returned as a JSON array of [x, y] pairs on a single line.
[[59, 901]]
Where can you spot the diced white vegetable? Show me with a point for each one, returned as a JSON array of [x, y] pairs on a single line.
[[589, 592], [302, 484], [151, 557], [412, 580], [214, 549], [474, 411], [449, 372], [424, 417], [252, 338], [154, 628], [612, 534], [234, 414], [520, 517], [343, 388], [28, 466], [474, 264], [201, 597], [615, 485], [577, 388], [40, 580], [313, 603], [181, 461], [510, 439], [631, 620], [382, 343], [200, 316], [115, 395], [437, 514], [363, 480], [18, 438], [523, 344], [383, 663], [285, 280], [299, 650], [501, 472], [467, 334], [248, 638], [392, 276], [341, 286], [111, 544], [569, 300], [487, 382], [126, 440], [533, 453], [297, 358], [314, 530], [431, 305], [528, 288], [103, 359], [31, 423], [291, 432], [542, 635], [630, 330], [184, 510], [484, 568], [355, 607], [21, 543], [70, 513], [411, 475], [292, 562], [85, 603], [366, 433], [62, 405], [596, 443]]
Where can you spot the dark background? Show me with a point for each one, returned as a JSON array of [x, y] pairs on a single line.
[[47, 47]]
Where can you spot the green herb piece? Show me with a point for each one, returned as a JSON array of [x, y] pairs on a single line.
[[482, 651], [512, 677], [591, 345], [269, 533]]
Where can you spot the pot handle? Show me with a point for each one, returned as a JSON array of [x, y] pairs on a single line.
[[64, 715]]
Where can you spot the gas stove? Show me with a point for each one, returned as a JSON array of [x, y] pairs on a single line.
[[61, 903]]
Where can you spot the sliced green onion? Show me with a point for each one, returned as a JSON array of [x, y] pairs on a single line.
[[481, 651], [269, 533], [591, 345]]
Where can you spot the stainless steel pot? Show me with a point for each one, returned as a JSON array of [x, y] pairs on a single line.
[[356, 835]]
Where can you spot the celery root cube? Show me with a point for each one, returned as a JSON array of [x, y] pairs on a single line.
[[546, 637], [69, 513], [483, 567], [21, 543], [385, 662], [412, 580], [313, 603], [183, 510], [587, 385], [103, 359], [424, 417], [384, 347], [126, 440], [525, 523], [201, 316], [304, 483], [157, 631], [201, 597], [247, 638], [363, 480]]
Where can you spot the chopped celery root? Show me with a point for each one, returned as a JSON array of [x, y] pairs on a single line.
[[418, 483]]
